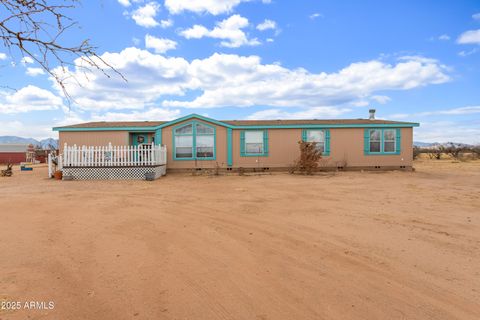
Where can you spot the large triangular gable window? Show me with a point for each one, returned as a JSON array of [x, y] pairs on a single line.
[[194, 141]]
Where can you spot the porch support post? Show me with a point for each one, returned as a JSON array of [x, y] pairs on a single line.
[[229, 147], [158, 136]]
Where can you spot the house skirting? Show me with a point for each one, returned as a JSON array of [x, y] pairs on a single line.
[[287, 169], [112, 173]]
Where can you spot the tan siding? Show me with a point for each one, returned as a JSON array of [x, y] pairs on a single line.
[[94, 138], [282, 147], [346, 146]]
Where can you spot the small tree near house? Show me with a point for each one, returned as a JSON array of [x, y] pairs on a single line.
[[309, 158]]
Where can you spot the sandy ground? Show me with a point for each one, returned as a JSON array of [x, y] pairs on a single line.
[[353, 245]]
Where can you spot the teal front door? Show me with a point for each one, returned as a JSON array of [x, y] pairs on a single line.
[[138, 140]]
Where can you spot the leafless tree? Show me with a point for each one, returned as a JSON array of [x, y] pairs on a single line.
[[34, 28]]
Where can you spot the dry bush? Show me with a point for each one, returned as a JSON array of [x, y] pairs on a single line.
[[309, 158], [416, 152], [216, 170], [7, 172], [435, 153], [475, 150], [454, 151]]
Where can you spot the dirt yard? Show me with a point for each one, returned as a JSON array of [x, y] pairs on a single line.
[[353, 245]]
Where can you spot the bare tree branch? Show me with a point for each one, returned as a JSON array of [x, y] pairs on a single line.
[[35, 27]]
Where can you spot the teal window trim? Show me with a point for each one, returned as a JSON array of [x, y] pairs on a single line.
[[194, 135], [229, 147], [243, 152], [158, 136], [326, 133], [398, 142]]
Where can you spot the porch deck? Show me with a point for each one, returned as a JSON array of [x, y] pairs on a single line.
[[111, 162]]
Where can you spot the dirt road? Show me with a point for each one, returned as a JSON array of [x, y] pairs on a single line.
[[351, 245]]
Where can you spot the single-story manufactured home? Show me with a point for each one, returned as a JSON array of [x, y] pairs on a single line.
[[195, 141]]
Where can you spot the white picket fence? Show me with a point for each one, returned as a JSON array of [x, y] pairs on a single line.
[[113, 156]]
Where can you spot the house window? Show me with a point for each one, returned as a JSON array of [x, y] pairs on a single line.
[[317, 136], [253, 143], [389, 140], [204, 141], [382, 141], [375, 140], [194, 141]]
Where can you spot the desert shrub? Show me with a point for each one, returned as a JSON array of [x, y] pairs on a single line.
[[453, 151], [216, 170], [435, 153], [309, 158], [241, 171], [416, 152], [475, 151]]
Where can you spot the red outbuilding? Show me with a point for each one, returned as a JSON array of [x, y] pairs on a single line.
[[13, 153]]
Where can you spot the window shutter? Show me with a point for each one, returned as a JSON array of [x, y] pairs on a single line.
[[366, 141], [242, 143], [327, 142], [265, 142], [398, 144], [304, 135]]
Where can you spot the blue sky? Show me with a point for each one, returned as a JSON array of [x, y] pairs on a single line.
[[259, 59]]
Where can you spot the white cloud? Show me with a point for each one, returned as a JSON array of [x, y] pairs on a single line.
[[240, 81], [214, 7], [26, 60], [270, 40], [150, 76], [3, 56], [476, 16], [147, 115], [231, 80], [159, 45], [29, 98], [308, 113], [315, 15], [449, 112], [21, 129], [33, 72], [228, 30], [381, 99], [464, 53], [145, 15], [125, 3], [267, 24], [136, 41], [166, 23], [444, 37], [469, 37], [447, 131], [195, 32]]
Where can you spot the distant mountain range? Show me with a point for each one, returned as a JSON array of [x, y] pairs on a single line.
[[44, 144], [437, 144]]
